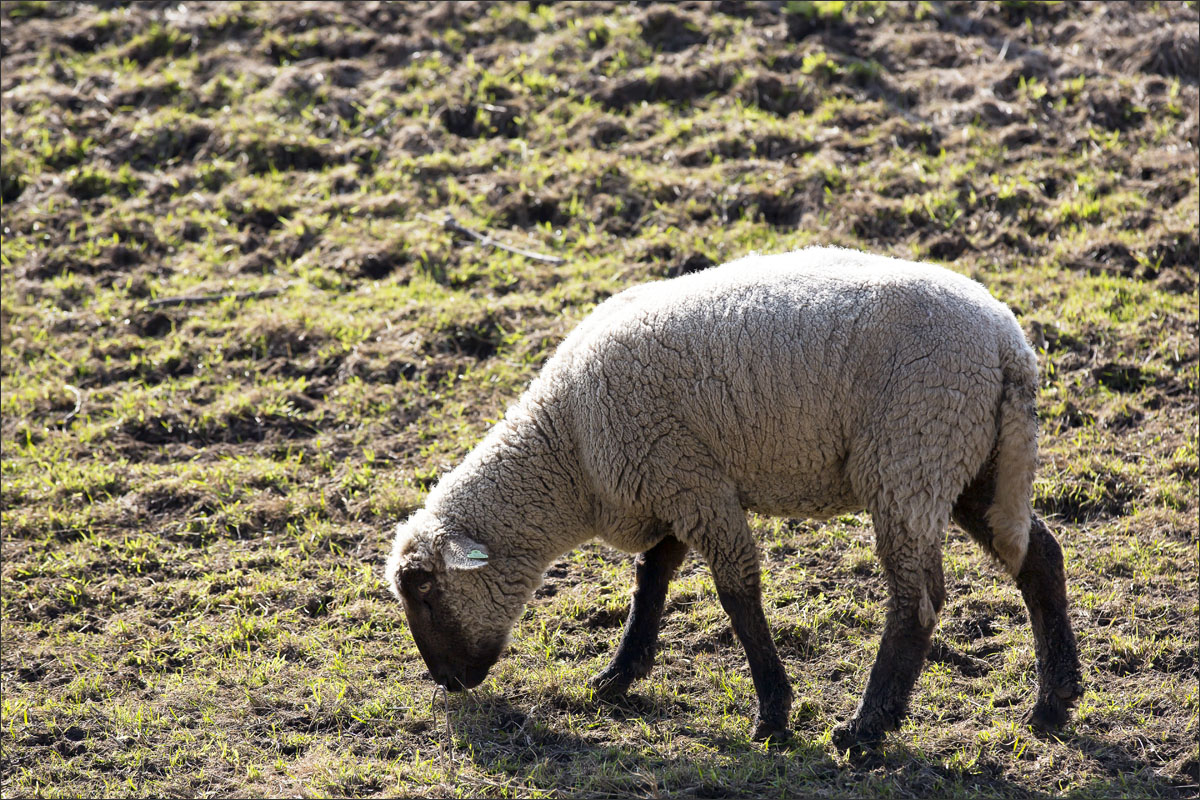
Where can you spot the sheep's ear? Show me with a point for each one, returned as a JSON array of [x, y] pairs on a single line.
[[461, 552]]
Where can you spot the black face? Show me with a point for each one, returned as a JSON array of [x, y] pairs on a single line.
[[454, 661]]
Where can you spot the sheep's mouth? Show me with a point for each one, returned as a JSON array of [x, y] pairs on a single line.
[[463, 683], [462, 676]]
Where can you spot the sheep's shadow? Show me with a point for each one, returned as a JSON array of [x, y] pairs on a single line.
[[1123, 758], [612, 741], [532, 747]]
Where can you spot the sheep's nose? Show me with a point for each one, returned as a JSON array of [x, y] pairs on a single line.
[[451, 683]]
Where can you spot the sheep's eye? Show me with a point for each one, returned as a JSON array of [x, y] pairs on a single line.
[[425, 587]]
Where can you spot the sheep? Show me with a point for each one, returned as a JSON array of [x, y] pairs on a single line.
[[812, 383]]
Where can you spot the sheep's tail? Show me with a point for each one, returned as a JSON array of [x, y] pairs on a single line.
[[1016, 456]]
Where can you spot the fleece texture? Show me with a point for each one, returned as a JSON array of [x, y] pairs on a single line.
[[806, 384]]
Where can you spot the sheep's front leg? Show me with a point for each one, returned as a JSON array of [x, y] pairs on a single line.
[[635, 655], [743, 604], [729, 548], [914, 574]]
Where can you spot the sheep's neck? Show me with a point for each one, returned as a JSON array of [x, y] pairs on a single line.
[[522, 491]]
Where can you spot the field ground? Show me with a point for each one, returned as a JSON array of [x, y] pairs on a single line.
[[198, 493]]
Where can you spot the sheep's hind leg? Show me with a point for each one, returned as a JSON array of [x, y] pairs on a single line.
[[635, 655], [913, 566], [1043, 584]]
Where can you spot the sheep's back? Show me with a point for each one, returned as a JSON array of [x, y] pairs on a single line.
[[781, 373]]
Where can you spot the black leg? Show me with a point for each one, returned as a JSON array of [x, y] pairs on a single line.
[[917, 596], [744, 607], [716, 526], [635, 655], [1043, 584]]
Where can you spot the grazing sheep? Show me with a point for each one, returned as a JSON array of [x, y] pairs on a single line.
[[812, 384]]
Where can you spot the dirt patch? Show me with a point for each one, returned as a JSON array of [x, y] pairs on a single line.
[[667, 29], [678, 85]]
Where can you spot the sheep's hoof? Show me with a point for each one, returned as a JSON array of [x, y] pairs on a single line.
[[1052, 711], [853, 736], [771, 732], [611, 684]]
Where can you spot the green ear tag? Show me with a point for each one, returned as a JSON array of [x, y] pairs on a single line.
[[478, 555]]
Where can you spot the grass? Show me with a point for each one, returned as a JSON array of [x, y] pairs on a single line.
[[197, 498]]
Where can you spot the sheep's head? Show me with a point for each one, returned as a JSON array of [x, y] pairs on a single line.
[[460, 603]]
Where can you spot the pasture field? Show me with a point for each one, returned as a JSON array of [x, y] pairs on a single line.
[[240, 342]]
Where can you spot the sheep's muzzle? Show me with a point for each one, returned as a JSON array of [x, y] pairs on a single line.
[[453, 661]]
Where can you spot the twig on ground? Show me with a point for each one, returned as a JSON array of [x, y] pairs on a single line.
[[451, 224], [78, 404], [216, 297], [371, 131]]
